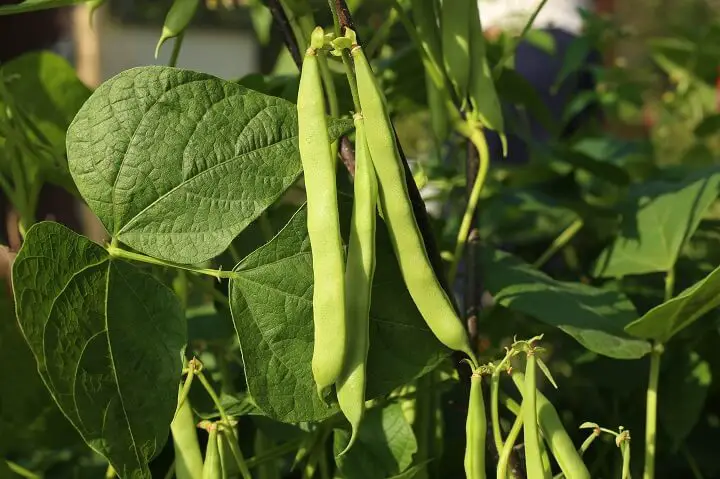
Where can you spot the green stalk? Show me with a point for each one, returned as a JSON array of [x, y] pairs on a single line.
[[625, 448], [507, 54], [117, 252], [478, 139], [506, 451], [559, 242], [272, 454], [651, 411], [177, 45], [22, 472]]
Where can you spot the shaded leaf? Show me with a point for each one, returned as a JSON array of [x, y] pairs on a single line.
[[384, 447], [271, 303], [48, 91], [660, 218], [688, 378], [104, 335], [176, 163], [667, 319], [593, 317], [516, 89], [29, 418]]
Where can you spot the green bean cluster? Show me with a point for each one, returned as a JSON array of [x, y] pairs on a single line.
[[342, 289]]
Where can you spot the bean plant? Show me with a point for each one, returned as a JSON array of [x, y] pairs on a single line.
[[273, 298]]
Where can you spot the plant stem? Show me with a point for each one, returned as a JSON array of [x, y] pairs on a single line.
[[651, 411], [177, 45], [21, 471], [625, 448], [508, 53], [697, 474], [281, 20], [507, 449], [559, 242], [669, 284], [242, 465], [271, 454], [117, 252], [478, 139]]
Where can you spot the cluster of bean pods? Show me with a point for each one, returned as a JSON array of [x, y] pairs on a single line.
[[343, 286]]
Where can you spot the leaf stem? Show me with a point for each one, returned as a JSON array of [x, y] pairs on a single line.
[[21, 471], [239, 460], [177, 45], [507, 54], [507, 449], [559, 242], [478, 139], [669, 284], [651, 411], [271, 454], [117, 252]]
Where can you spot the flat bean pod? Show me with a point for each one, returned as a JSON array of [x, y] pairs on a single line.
[[359, 272], [323, 223], [427, 293]]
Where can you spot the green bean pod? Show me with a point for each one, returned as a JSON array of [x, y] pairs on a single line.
[[531, 434], [222, 455], [475, 431], [359, 272], [422, 284], [177, 20], [212, 468], [455, 31], [484, 99], [561, 446], [188, 458], [323, 223]]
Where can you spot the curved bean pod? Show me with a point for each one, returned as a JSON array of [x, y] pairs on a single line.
[[323, 223], [212, 468], [359, 272], [424, 287]]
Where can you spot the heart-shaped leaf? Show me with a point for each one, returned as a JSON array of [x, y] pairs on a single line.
[[108, 340], [661, 217], [271, 302], [176, 163], [667, 319], [594, 317]]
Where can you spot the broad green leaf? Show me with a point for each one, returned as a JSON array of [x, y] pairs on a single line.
[[108, 341], [593, 317], [686, 382], [47, 90], [29, 418], [176, 163], [33, 5], [660, 218], [384, 447], [669, 318], [271, 303]]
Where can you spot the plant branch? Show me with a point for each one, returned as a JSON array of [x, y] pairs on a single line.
[[651, 411], [559, 242], [117, 252], [283, 23], [177, 45], [471, 288], [476, 137]]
